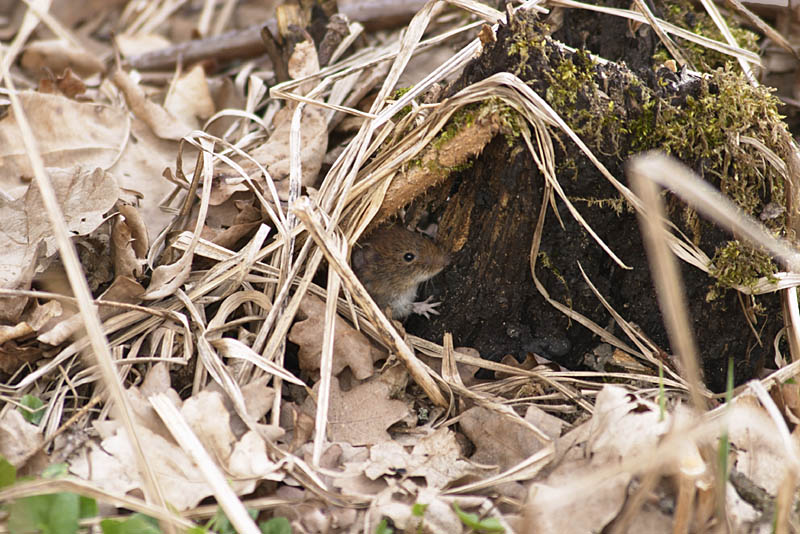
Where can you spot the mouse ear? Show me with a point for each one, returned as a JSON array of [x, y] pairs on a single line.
[[362, 256]]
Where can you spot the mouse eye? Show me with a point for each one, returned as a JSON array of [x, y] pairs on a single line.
[[409, 257]]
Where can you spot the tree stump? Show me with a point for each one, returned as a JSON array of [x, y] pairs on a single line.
[[489, 298]]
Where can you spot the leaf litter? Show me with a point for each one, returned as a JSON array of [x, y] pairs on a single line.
[[203, 271]]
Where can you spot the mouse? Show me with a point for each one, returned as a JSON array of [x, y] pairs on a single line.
[[392, 262]]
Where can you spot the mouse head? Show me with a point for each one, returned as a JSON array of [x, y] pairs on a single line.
[[398, 258]]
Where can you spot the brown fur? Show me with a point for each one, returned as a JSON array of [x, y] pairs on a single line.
[[381, 264]]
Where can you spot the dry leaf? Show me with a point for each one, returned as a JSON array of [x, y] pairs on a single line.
[[66, 84], [362, 415], [140, 170], [249, 459], [18, 270], [123, 289], [555, 507], [69, 135], [232, 235], [129, 242], [549, 424], [499, 440], [189, 98], [303, 429], [56, 56], [352, 480], [135, 44], [112, 465], [305, 513], [351, 348], [757, 453], [163, 123], [214, 432], [74, 13], [622, 427], [13, 355], [274, 153], [466, 371], [19, 439], [40, 314], [436, 457], [157, 381], [257, 397], [787, 397], [439, 518], [84, 198], [7, 333], [166, 279]]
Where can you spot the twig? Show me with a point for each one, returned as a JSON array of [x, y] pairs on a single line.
[[247, 43], [236, 44]]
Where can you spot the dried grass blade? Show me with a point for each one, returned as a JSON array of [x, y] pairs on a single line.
[[211, 363], [667, 27], [604, 334], [763, 27], [187, 439], [29, 23], [666, 278], [783, 504], [80, 287], [524, 470], [40, 10], [326, 366], [224, 17], [202, 140], [722, 26], [668, 172], [166, 279], [437, 351], [485, 12], [673, 48], [789, 444], [233, 348], [646, 354], [42, 486]]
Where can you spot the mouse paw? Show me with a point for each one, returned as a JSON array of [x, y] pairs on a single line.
[[425, 307]]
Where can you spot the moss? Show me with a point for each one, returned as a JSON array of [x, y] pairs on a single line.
[[683, 14], [738, 265], [617, 204], [527, 38], [397, 94], [569, 85], [467, 116], [701, 122], [707, 129], [513, 123], [573, 92], [459, 120], [544, 261], [706, 132]]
